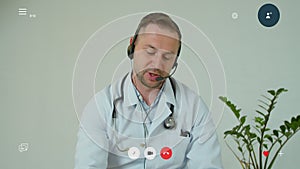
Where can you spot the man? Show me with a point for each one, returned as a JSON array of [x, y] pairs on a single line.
[[148, 119]]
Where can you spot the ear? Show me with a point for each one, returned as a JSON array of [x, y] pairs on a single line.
[[131, 40], [130, 48]]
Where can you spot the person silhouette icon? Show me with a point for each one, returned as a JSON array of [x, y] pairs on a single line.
[[268, 16]]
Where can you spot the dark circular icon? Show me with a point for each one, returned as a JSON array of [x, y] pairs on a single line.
[[268, 15]]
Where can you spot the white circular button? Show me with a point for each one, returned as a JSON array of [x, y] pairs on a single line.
[[234, 15], [150, 153], [134, 153]]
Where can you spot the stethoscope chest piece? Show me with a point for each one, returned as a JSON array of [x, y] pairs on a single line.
[[169, 123]]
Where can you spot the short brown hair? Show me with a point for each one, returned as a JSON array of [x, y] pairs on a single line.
[[159, 19]]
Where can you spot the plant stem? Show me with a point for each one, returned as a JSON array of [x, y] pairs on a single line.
[[235, 154], [270, 150], [276, 154], [254, 163], [267, 117], [255, 160], [281, 145]]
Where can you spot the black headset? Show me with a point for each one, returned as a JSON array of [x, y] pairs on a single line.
[[130, 49]]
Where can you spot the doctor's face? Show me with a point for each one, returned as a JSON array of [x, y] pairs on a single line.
[[154, 54]]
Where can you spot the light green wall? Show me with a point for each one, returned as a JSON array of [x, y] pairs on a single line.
[[38, 55]]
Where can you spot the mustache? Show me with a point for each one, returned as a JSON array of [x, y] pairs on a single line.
[[155, 71]]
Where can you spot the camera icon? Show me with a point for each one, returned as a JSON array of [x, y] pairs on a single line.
[[150, 153]]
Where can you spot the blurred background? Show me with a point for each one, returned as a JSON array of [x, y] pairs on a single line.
[[43, 43]]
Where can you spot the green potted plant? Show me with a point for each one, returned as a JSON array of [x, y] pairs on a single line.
[[257, 144]]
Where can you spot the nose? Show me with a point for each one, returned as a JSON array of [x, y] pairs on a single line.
[[157, 61]]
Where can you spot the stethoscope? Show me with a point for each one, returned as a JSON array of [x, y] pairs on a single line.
[[169, 122]]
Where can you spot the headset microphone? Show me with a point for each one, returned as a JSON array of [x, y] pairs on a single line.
[[163, 78]]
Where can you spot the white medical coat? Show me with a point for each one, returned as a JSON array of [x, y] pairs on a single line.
[[101, 137]]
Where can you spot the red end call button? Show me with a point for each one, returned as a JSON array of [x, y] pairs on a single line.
[[166, 153]]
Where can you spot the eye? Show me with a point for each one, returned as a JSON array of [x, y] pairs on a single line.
[[168, 56], [150, 51]]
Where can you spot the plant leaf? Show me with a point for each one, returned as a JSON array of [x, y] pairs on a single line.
[[283, 128], [240, 149], [288, 134], [263, 102], [272, 92], [269, 138], [279, 91], [259, 120], [243, 119], [275, 132], [259, 112], [231, 106], [288, 125]]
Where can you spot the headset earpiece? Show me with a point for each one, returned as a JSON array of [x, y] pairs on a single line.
[[130, 51], [130, 48]]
